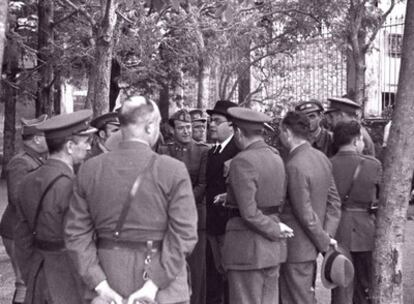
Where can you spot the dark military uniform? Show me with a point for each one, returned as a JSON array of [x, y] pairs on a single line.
[[42, 204], [18, 167], [163, 211], [194, 156], [323, 142], [46, 269], [253, 245], [356, 230]]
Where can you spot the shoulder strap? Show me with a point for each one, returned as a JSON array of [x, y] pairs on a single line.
[[40, 204], [131, 195], [354, 177]]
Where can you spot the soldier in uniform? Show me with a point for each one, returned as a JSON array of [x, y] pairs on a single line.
[[312, 210], [344, 109], [106, 124], [29, 159], [132, 219], [357, 178], [199, 123], [320, 138], [43, 201], [194, 156], [219, 155], [254, 243]]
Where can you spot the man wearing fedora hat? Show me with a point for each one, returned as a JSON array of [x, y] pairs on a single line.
[[357, 178], [194, 155], [254, 243], [132, 219], [344, 109], [42, 204], [32, 156], [312, 210], [222, 151], [320, 138]]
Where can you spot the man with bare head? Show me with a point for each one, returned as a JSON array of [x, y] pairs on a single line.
[[132, 220]]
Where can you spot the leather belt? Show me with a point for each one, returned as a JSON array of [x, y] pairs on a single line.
[[108, 243], [359, 207], [49, 245], [234, 212]]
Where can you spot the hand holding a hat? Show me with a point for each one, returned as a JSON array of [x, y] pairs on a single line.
[[285, 231], [146, 294], [333, 243]]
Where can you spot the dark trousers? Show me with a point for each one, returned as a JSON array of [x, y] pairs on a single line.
[[254, 286], [197, 263], [297, 283], [359, 291], [217, 286]]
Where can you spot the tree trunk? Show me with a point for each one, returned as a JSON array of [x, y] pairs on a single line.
[[399, 165], [45, 52], [57, 94], [164, 103], [3, 23], [359, 86], [203, 84], [103, 59], [244, 73], [9, 132]]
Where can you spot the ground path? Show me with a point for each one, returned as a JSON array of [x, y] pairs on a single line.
[[7, 278]]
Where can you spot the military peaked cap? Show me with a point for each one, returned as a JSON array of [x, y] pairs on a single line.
[[29, 126], [247, 118], [64, 125], [180, 115], [197, 115], [310, 106], [105, 119], [342, 104]]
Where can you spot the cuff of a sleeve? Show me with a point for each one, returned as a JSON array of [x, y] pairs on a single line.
[[159, 276], [95, 276]]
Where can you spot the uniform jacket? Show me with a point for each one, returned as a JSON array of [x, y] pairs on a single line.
[[323, 142], [55, 266], [17, 168], [256, 180], [313, 207], [217, 215], [194, 156], [356, 229], [162, 210]]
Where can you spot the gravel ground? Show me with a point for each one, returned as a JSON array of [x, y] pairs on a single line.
[[7, 277]]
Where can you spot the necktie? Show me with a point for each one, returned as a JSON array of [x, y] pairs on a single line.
[[217, 149]]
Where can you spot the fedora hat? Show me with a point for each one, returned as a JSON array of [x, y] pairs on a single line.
[[337, 270], [221, 107]]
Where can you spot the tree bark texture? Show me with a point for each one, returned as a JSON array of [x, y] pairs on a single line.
[[3, 23], [203, 78], [399, 165], [164, 102], [103, 59], [45, 94]]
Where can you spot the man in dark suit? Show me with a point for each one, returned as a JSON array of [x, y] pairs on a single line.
[[32, 156], [312, 210], [225, 149], [132, 219], [106, 125], [194, 155], [254, 243], [344, 109], [357, 178], [42, 204]]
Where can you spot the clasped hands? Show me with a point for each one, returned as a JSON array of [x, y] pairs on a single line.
[[145, 295]]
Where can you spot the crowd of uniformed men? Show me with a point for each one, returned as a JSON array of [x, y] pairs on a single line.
[[100, 211]]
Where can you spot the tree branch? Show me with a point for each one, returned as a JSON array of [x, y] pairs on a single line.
[[56, 23], [82, 10]]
